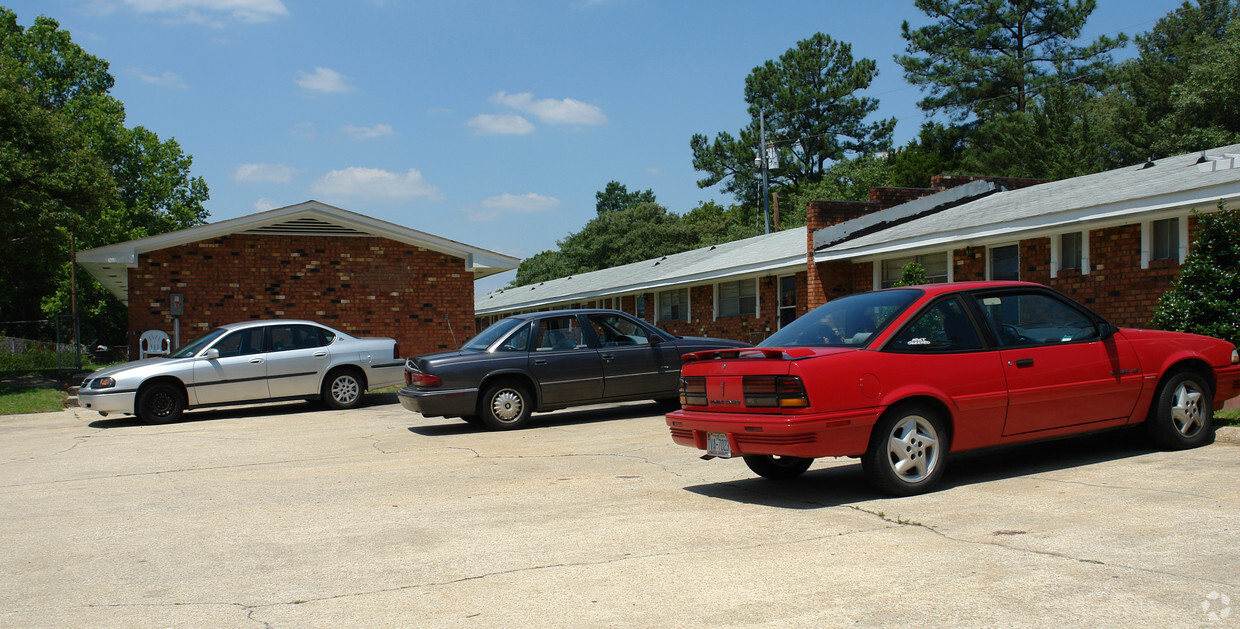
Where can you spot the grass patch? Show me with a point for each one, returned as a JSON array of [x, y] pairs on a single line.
[[1228, 418], [17, 400]]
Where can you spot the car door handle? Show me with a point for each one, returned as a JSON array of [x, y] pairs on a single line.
[[607, 357], [1024, 362], [540, 361], [320, 354], [256, 361]]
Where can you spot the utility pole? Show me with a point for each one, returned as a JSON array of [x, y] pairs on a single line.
[[766, 204]]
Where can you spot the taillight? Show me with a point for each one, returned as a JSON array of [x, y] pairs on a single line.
[[774, 392], [693, 391], [419, 379]]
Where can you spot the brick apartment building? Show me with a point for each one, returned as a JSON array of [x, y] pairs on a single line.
[[308, 261], [1112, 240]]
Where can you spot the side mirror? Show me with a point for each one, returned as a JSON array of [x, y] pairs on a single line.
[[211, 354], [1106, 329], [655, 340]]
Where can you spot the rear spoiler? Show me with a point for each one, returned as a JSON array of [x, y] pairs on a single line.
[[748, 352]]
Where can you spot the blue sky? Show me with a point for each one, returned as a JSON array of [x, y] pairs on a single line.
[[490, 123]]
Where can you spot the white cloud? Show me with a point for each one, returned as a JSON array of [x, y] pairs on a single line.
[[526, 203], [262, 205], [551, 111], [305, 130], [368, 133], [324, 80], [501, 124], [374, 183], [206, 11], [264, 173], [166, 79]]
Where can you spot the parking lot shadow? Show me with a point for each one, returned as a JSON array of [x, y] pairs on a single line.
[[241, 412], [582, 415], [845, 484]]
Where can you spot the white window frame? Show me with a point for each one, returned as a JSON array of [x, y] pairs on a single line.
[[878, 267], [1057, 246], [658, 304], [757, 299], [1147, 240]]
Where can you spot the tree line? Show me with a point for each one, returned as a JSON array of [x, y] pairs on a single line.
[[1008, 89]]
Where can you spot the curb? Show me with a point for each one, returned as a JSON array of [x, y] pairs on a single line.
[[1228, 434]]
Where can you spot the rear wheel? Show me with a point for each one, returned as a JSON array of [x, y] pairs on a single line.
[[906, 451], [505, 405], [160, 403], [343, 389], [777, 467], [1183, 412]]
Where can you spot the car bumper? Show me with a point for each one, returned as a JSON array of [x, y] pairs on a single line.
[[446, 403], [115, 402], [1227, 384], [809, 436]]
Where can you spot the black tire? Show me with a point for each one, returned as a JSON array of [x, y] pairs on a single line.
[[343, 389], [160, 403], [907, 450], [777, 467], [505, 405], [1182, 415]]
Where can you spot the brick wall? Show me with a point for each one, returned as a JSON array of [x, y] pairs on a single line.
[[364, 286]]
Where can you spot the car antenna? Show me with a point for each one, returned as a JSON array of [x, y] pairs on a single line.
[[454, 341]]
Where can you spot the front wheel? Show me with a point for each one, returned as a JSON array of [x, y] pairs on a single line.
[[906, 451], [160, 403], [505, 406], [343, 389], [1183, 413], [777, 467]]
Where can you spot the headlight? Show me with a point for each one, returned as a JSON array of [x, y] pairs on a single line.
[[104, 383], [1235, 356]]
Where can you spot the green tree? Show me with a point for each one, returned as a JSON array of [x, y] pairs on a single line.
[[70, 167], [1205, 296], [913, 274], [813, 118], [616, 196], [987, 58]]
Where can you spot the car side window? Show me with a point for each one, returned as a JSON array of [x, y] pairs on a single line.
[[241, 343], [519, 341], [560, 333], [1022, 319], [943, 327], [616, 331]]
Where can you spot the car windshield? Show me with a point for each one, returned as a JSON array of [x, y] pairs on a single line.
[[846, 322], [199, 343], [495, 332]]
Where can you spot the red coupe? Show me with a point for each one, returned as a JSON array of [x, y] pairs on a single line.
[[900, 377]]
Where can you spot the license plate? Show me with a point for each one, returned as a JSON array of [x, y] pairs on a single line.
[[717, 445]]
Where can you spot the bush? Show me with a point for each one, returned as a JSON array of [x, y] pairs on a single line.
[[1205, 296]]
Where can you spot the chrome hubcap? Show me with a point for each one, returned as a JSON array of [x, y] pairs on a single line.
[[506, 405], [1186, 409], [913, 449], [344, 389]]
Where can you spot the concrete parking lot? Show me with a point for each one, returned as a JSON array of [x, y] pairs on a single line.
[[292, 516]]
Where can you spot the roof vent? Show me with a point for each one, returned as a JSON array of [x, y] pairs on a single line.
[[1209, 163], [1149, 163]]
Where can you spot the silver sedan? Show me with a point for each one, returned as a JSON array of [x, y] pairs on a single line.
[[253, 361]]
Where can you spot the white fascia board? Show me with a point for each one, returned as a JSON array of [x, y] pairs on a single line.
[[1084, 219]]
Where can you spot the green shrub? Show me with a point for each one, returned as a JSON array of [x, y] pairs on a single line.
[[1205, 296]]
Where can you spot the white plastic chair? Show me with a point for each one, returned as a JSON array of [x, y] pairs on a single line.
[[154, 343]]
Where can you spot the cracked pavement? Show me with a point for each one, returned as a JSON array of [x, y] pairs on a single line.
[[292, 516]]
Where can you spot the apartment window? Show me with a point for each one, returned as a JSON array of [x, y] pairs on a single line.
[[1070, 249], [1165, 239], [935, 265], [1005, 262], [787, 300], [674, 305], [738, 298]]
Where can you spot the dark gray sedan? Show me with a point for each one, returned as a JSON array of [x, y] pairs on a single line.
[[548, 360]]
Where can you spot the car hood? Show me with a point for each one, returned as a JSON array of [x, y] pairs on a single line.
[[147, 364]]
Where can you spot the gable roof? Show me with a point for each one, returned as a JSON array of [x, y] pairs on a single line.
[[109, 264], [758, 255], [1122, 196]]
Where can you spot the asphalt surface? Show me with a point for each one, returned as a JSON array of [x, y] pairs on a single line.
[[291, 516]]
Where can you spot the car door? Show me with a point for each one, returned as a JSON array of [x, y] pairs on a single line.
[[297, 358], [567, 368], [239, 373], [634, 363], [1061, 371]]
